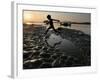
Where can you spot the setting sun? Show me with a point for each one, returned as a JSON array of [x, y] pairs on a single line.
[[33, 17], [27, 17]]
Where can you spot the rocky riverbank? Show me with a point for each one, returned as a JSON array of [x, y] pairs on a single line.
[[38, 53]]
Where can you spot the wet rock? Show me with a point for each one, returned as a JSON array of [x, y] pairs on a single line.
[[55, 56], [24, 45], [26, 54], [27, 66], [45, 55], [50, 49], [36, 48], [37, 63], [70, 62], [44, 48], [47, 36], [56, 63], [80, 33], [50, 60], [32, 64], [62, 63], [42, 52], [36, 53], [57, 50], [46, 65], [64, 57], [39, 46], [27, 49]]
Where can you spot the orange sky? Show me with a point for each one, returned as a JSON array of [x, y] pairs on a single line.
[[40, 16]]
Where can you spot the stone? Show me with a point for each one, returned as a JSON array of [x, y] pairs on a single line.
[[36, 48], [50, 60], [27, 54], [57, 50], [70, 61], [45, 55], [64, 57], [32, 64], [55, 56], [56, 63], [27, 49], [44, 48], [36, 53], [46, 65]]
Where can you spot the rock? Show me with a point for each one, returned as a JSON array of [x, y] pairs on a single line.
[[45, 55], [27, 66], [47, 36], [50, 49], [50, 60], [46, 65], [80, 33], [37, 48], [24, 45], [32, 64], [36, 53], [69, 62], [62, 63], [70, 58], [56, 63], [55, 56], [57, 50], [26, 54], [44, 48], [64, 57]]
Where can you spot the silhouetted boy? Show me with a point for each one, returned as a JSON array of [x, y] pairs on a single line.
[[50, 22]]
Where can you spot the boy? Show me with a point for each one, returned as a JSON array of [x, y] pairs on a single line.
[[50, 22]]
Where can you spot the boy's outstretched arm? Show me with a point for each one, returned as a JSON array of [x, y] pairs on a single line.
[[56, 20]]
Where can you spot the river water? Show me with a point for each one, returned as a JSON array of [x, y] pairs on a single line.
[[82, 27]]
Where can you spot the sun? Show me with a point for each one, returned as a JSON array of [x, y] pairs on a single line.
[[33, 17], [28, 17]]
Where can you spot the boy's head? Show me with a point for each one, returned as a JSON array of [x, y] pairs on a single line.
[[49, 16]]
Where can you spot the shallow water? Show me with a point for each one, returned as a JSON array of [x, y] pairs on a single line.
[[62, 44], [82, 27]]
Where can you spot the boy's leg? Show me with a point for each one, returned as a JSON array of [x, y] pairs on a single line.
[[47, 30], [54, 29], [57, 32]]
